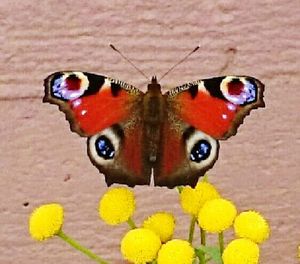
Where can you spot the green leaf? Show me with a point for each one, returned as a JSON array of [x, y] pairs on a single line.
[[213, 252]]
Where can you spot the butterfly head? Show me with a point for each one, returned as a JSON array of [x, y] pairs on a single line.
[[154, 80], [154, 86]]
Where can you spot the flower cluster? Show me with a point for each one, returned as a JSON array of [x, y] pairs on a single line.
[[152, 241], [216, 214]]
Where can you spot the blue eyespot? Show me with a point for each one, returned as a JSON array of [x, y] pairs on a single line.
[[104, 148], [200, 151]]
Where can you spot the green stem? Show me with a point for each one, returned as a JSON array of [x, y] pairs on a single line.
[[131, 223], [203, 243], [203, 236], [201, 258], [192, 229], [221, 242], [80, 248]]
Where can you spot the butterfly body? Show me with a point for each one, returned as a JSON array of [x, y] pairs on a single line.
[[154, 109], [132, 135]]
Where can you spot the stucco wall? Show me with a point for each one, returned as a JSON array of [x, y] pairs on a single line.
[[42, 161]]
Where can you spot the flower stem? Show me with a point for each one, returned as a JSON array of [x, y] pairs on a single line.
[[80, 248], [201, 258], [203, 243], [221, 242], [203, 236], [192, 229], [131, 223]]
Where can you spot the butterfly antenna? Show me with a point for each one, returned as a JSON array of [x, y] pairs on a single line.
[[125, 58], [179, 62]]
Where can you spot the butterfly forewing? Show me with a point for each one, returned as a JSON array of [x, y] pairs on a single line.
[[91, 102], [216, 106]]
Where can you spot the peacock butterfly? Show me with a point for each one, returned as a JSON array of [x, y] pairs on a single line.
[[130, 132]]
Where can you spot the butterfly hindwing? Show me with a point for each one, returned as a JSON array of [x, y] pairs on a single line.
[[119, 153], [180, 162], [185, 153]]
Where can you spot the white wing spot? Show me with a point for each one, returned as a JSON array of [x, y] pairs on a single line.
[[83, 112]]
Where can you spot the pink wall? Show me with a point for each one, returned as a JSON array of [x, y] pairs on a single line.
[[258, 168]]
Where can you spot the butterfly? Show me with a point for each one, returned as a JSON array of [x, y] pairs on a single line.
[[131, 134]]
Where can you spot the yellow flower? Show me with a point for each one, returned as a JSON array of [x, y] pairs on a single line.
[[140, 245], [117, 206], [46, 221], [176, 251], [206, 191], [217, 215], [192, 200], [241, 251], [251, 225], [189, 201], [162, 224]]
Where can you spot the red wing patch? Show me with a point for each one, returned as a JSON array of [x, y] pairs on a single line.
[[217, 106], [209, 114], [93, 113], [132, 150], [172, 150], [172, 160]]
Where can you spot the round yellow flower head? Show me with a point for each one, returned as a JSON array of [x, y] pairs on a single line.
[[46, 221], [251, 225], [176, 251], [241, 251], [192, 200], [163, 224], [189, 201], [140, 245], [217, 215], [117, 205], [206, 192]]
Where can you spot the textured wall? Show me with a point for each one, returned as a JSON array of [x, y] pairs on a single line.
[[258, 168]]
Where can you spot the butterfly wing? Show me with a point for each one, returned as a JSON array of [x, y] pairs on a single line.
[[174, 166], [217, 106], [200, 114], [91, 102], [108, 112]]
